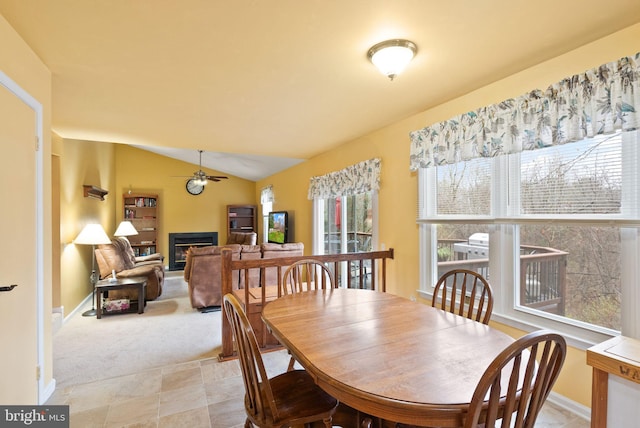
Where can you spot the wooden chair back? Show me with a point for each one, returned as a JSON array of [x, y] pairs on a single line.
[[305, 275], [464, 292], [289, 399], [516, 384], [259, 398]]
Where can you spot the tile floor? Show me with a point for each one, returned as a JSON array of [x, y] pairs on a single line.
[[198, 394]]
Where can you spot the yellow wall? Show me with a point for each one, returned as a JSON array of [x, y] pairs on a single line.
[[118, 168], [397, 197], [22, 65], [82, 162], [144, 172]]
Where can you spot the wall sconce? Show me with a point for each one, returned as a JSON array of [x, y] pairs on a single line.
[[392, 56]]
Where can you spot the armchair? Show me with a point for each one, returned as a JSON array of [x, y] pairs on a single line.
[[119, 257]]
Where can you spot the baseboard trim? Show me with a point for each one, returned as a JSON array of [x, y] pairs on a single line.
[[48, 391], [576, 408], [79, 308]]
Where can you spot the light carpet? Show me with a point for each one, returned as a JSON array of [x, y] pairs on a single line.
[[169, 331]]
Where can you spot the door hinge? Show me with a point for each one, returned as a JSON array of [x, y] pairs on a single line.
[[37, 143], [38, 372]]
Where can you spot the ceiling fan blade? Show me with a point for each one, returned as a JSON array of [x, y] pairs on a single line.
[[200, 174]]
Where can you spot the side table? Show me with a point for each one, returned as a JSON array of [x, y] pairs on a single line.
[[139, 283], [618, 356]]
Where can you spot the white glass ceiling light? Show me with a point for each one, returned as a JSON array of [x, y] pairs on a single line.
[[392, 56]]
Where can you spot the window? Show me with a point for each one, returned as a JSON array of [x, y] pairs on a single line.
[[553, 229], [345, 209], [266, 200], [345, 225]]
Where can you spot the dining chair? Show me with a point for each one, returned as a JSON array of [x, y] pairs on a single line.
[[464, 292], [516, 384], [304, 275], [291, 398]]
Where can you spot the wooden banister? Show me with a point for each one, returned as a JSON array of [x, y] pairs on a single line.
[[228, 265]]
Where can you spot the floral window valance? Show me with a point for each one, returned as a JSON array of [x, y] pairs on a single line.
[[599, 101], [355, 179]]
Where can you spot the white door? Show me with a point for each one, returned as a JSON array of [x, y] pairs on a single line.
[[18, 261]]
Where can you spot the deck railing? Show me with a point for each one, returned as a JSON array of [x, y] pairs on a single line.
[[543, 273]]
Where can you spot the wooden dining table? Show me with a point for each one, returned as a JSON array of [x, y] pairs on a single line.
[[385, 355]]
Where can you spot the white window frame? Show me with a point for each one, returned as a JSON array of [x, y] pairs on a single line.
[[503, 228], [267, 207], [318, 224]]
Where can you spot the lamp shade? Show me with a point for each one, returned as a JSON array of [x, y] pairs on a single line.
[[392, 56], [125, 228], [92, 234]]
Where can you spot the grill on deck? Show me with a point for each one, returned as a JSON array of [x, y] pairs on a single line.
[[477, 247]]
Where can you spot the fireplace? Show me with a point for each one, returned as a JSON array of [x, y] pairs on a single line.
[[179, 243]]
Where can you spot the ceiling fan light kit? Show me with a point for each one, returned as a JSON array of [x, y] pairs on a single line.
[[391, 57], [195, 184]]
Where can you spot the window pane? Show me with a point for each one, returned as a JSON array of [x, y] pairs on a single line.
[[332, 226], [572, 271], [577, 178], [463, 246], [359, 222], [464, 188]]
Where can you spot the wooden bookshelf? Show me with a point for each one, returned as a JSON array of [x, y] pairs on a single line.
[[142, 211], [242, 218]]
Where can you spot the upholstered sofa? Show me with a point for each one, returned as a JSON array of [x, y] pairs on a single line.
[[202, 269], [119, 256], [242, 238]]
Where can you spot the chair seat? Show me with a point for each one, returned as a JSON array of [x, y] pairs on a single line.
[[298, 399], [289, 399]]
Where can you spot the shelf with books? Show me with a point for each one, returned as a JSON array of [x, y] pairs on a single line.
[[142, 211], [242, 218]]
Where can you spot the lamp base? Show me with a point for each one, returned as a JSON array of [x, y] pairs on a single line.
[[90, 313]]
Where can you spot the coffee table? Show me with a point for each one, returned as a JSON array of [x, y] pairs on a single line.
[[139, 283]]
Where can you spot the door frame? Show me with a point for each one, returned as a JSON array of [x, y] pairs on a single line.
[[36, 106]]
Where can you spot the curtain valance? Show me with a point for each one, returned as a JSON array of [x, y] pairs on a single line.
[[599, 101], [352, 180]]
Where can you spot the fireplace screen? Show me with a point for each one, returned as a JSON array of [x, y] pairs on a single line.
[[179, 243]]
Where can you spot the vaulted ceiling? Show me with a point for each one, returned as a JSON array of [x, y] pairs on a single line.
[[262, 85]]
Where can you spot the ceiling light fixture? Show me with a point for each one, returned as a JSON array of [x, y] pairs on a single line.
[[392, 56]]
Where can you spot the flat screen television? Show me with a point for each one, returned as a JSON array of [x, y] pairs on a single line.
[[278, 227]]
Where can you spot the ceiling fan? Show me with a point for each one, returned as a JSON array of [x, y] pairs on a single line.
[[197, 181]]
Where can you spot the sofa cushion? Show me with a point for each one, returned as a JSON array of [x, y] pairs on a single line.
[[108, 258], [269, 247], [242, 238], [213, 249], [203, 274], [250, 252], [271, 251], [126, 251], [210, 250]]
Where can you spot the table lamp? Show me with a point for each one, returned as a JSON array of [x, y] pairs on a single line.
[[92, 234], [125, 228]]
